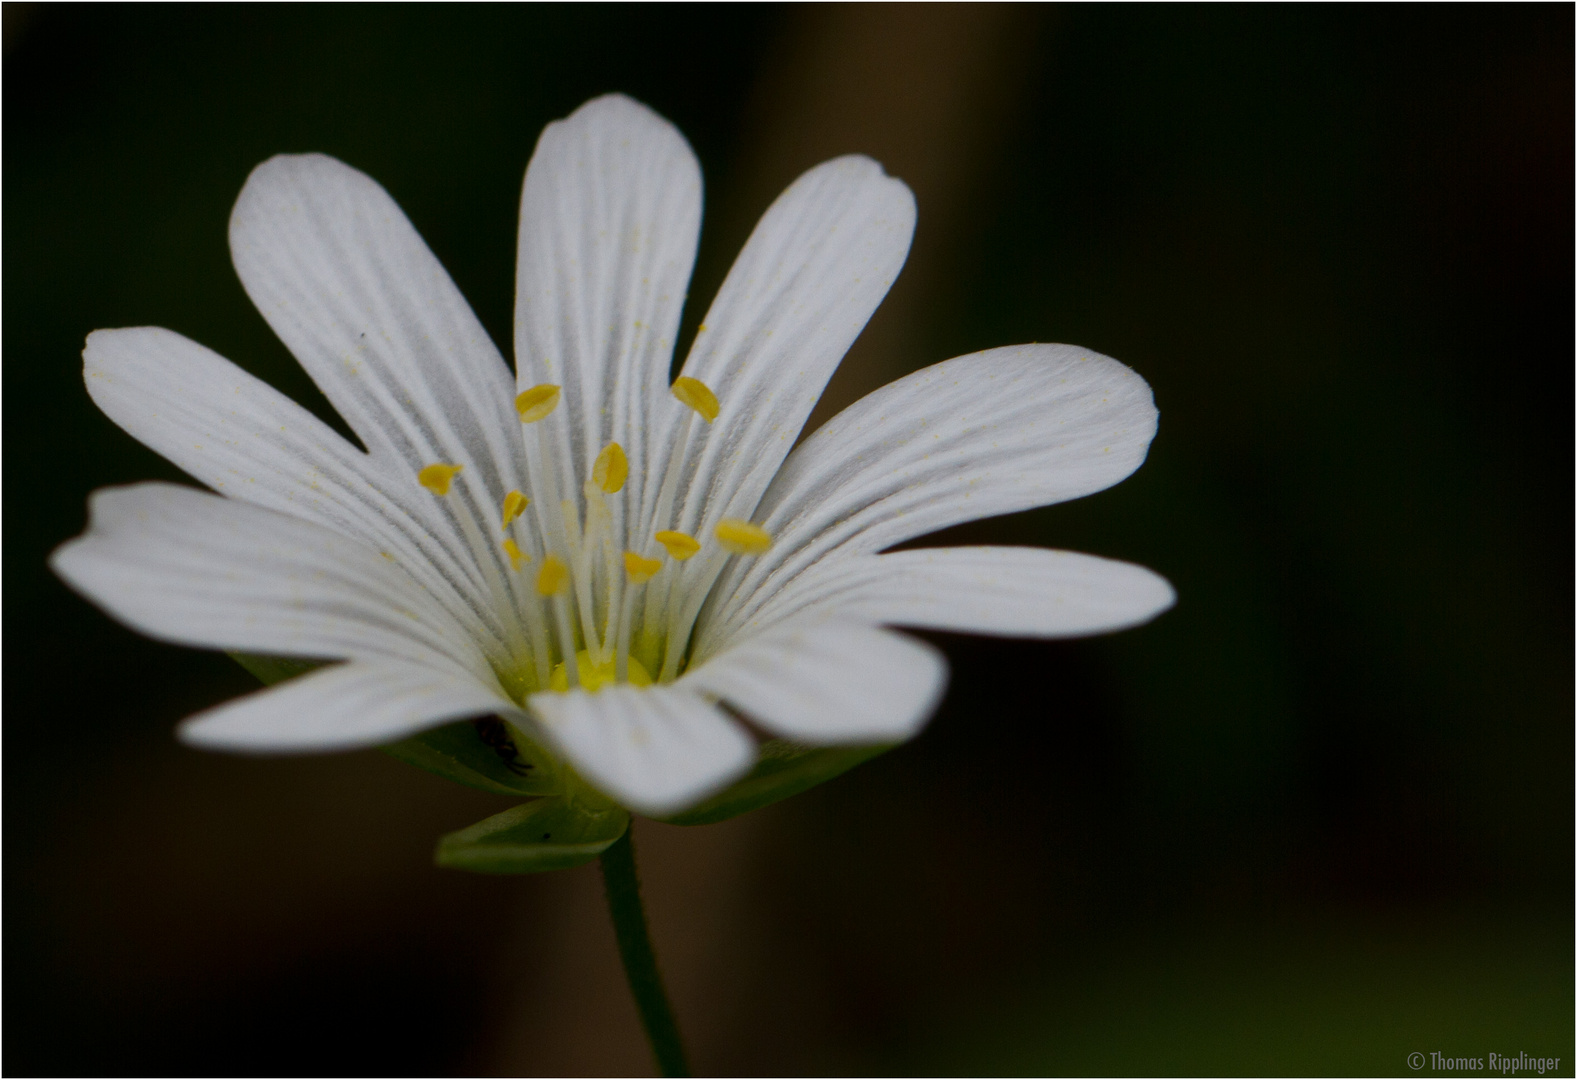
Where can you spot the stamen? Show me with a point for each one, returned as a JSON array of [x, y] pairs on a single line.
[[660, 597], [437, 478], [600, 540], [552, 580], [580, 551], [553, 576], [680, 547], [514, 503], [556, 518], [743, 538], [537, 403], [611, 469], [697, 395], [737, 538], [640, 568]]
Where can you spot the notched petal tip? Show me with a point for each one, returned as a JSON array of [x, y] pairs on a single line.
[[100, 344], [110, 352], [627, 120], [859, 169]]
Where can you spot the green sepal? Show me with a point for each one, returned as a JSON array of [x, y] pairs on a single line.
[[457, 752], [275, 669], [783, 769], [546, 834]]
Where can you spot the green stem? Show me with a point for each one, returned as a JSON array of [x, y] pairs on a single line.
[[640, 963]]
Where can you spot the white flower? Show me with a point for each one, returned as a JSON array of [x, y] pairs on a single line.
[[668, 532]]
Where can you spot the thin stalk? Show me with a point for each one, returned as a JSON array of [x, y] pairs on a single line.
[[623, 889]]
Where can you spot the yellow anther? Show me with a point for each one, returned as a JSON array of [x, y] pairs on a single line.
[[514, 503], [553, 577], [437, 478], [516, 556], [610, 469], [679, 545], [697, 395], [743, 538], [640, 568], [534, 404], [595, 675]]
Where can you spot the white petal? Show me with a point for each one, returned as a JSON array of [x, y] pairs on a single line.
[[1007, 591], [245, 439], [197, 569], [345, 281], [232, 431], [609, 219], [984, 434], [345, 707], [656, 750], [823, 682], [814, 270]]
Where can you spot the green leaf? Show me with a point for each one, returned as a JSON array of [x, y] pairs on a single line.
[[547, 834], [783, 769], [275, 669], [459, 752]]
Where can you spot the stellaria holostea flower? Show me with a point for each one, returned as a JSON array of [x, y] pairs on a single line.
[[613, 563]]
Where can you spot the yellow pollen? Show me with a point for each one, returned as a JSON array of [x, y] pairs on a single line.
[[514, 503], [553, 576], [697, 395], [516, 556], [594, 675], [679, 545], [610, 469], [437, 478], [743, 538], [640, 568], [536, 403]]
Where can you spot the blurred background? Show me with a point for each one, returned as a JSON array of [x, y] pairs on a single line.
[[1314, 819]]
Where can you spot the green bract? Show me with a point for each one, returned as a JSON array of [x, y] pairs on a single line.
[[546, 834]]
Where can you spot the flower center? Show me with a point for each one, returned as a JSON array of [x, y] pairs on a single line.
[[592, 597]]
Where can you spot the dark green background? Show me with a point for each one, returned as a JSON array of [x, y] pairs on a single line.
[[1315, 818]]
